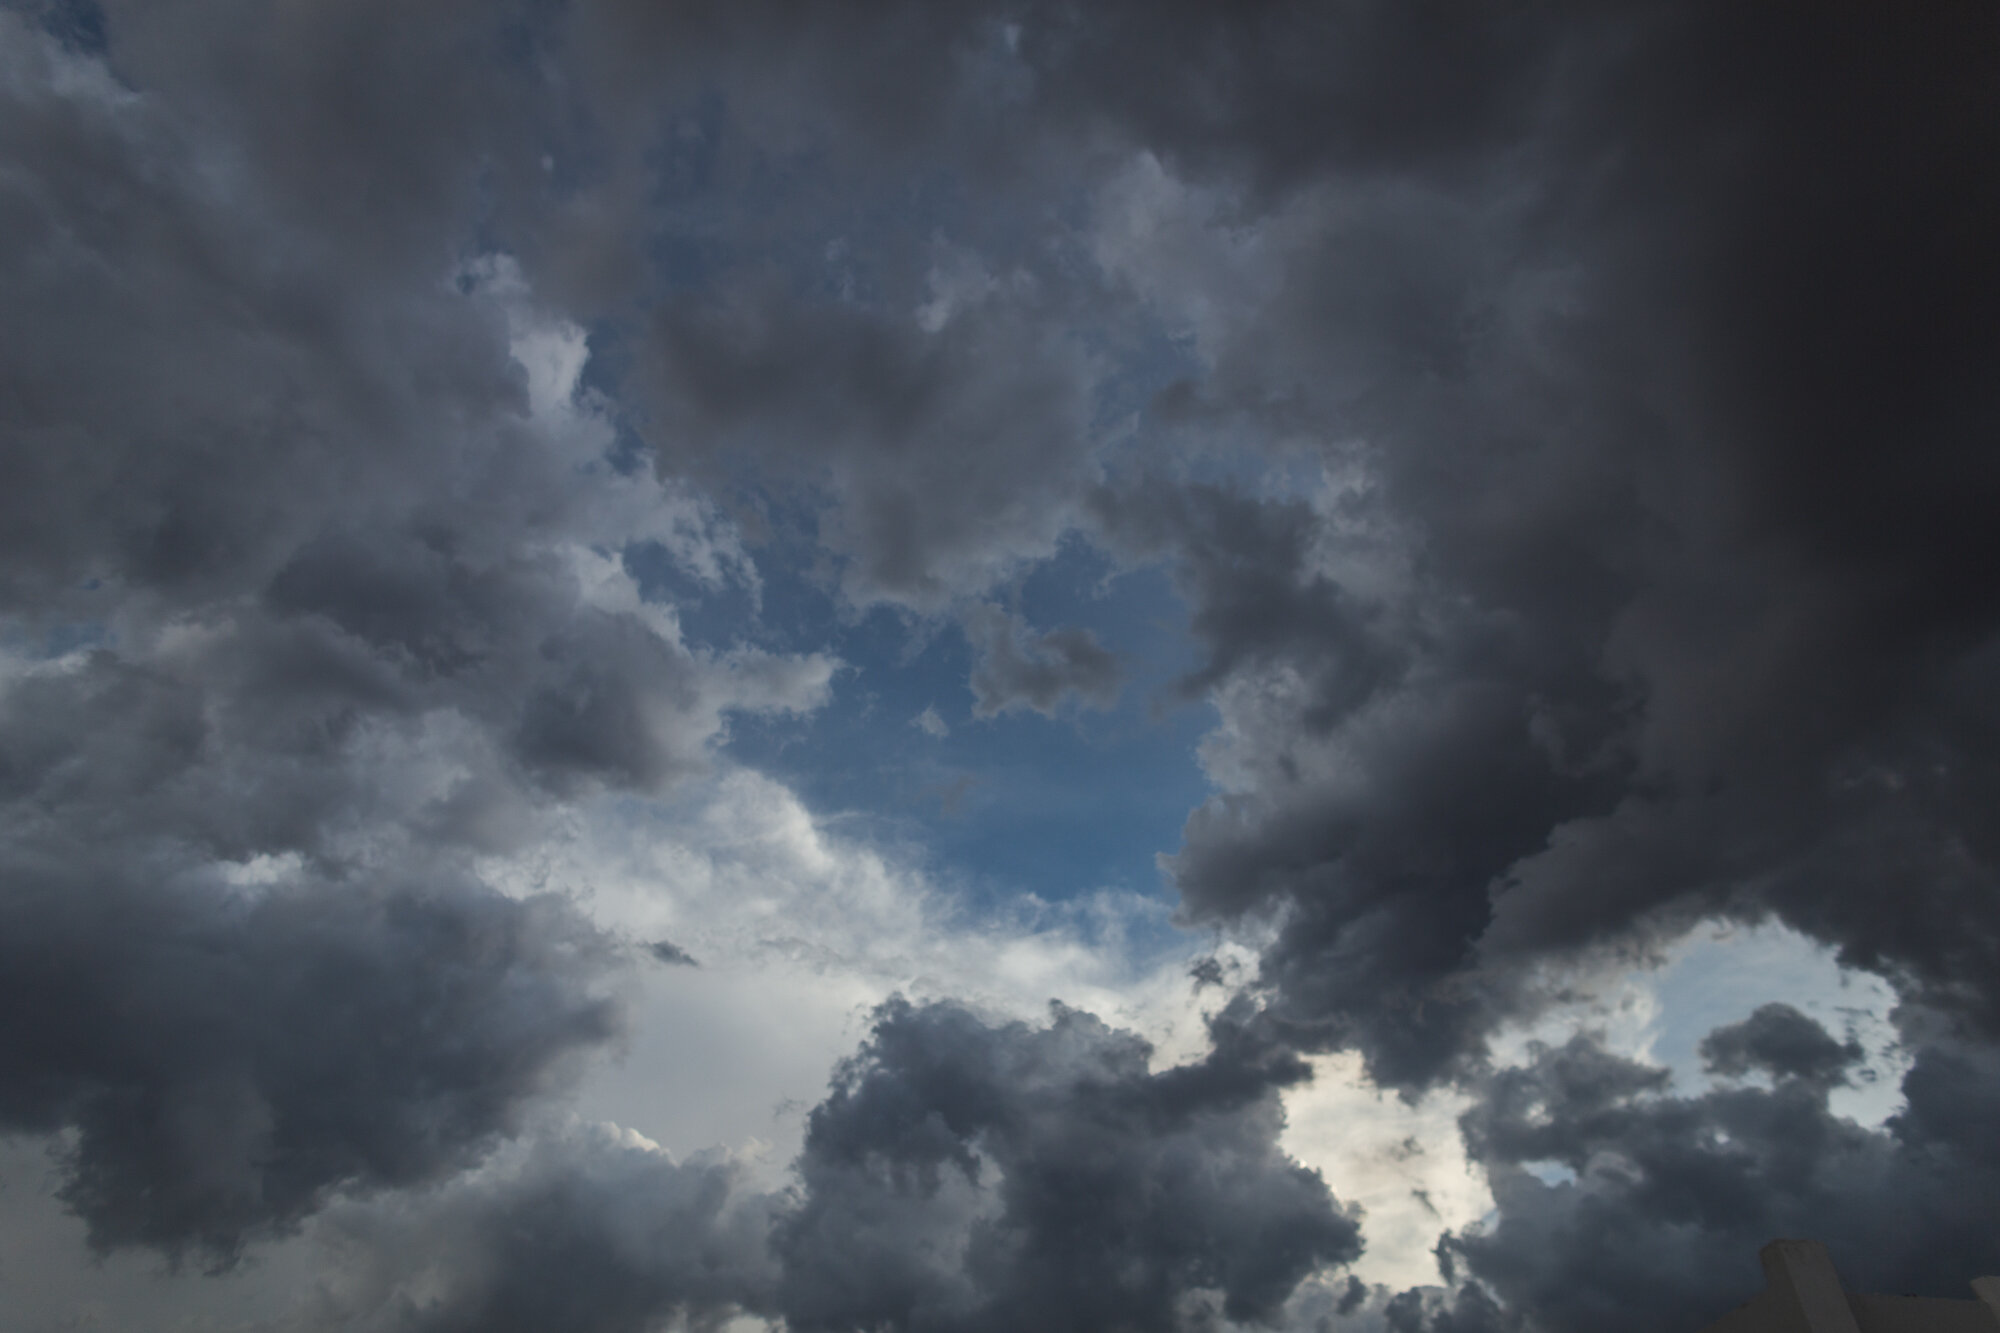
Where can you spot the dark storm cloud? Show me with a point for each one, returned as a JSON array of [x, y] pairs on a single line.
[[268, 449], [1360, 85], [1291, 91], [1013, 667], [592, 719], [1655, 600], [190, 466], [1353, 1306], [1380, 909], [960, 1176], [1246, 568], [1673, 1195], [951, 449], [966, 1176], [1468, 1309], [1644, 361], [227, 1061], [1782, 1042], [1658, 354], [591, 1232], [231, 973]]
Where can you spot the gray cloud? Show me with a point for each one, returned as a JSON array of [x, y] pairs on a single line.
[[1013, 667], [1642, 362], [959, 1175], [337, 555], [1383, 881], [1673, 1195], [949, 454], [1636, 594], [1466, 1309], [666, 951], [591, 1231], [1246, 568], [1782, 1042], [966, 1176], [229, 1061], [1632, 616]]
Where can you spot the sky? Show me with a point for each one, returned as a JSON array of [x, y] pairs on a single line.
[[964, 666]]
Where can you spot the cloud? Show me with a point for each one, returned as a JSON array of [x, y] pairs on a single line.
[[963, 1175], [592, 1229], [1250, 570], [342, 541], [948, 458], [744, 875], [930, 723], [1782, 1042], [1673, 1195], [960, 1174], [1590, 598], [227, 1063], [666, 951], [1578, 629], [1570, 437], [1012, 670]]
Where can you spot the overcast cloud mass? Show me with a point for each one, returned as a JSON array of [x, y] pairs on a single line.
[[935, 667]]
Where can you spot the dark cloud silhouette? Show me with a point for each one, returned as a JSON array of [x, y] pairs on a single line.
[[967, 1176], [1467, 1309], [1782, 1042]]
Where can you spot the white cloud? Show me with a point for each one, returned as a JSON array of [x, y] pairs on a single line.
[[799, 932], [1405, 1165]]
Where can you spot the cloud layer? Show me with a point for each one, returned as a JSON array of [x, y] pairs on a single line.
[[445, 458]]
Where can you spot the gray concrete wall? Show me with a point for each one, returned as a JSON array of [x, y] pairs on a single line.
[[1803, 1294]]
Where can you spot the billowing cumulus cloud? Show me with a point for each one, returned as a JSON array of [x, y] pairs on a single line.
[[227, 1061], [1608, 612], [1669, 1197], [949, 442], [317, 596], [960, 1175], [965, 1176], [484, 500], [595, 1230]]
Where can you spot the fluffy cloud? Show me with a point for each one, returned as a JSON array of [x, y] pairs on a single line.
[[1614, 616], [961, 1174], [1672, 1195], [227, 1063], [593, 1229], [949, 456], [1569, 436], [966, 1176], [342, 552]]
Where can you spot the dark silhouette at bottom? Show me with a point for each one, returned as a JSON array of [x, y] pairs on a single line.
[[1802, 1294]]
